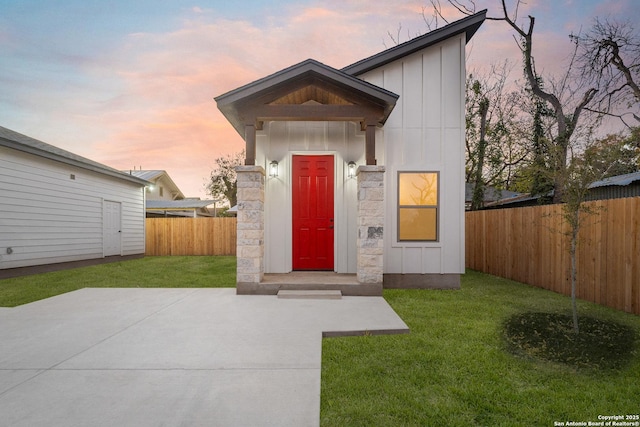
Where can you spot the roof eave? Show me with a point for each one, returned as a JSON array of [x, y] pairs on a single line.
[[228, 102], [468, 25], [52, 156], [301, 70]]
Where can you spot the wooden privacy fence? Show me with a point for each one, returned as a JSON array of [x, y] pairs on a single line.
[[191, 236], [528, 245]]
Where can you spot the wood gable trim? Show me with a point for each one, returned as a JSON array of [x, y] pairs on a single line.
[[309, 91]]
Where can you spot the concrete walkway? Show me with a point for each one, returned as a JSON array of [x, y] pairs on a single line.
[[172, 357]]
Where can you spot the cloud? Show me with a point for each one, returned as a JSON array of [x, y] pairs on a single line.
[[149, 101], [164, 115]]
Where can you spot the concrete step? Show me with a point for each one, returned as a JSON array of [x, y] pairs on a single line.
[[310, 294]]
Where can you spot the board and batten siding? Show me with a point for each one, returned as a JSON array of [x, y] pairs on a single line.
[[425, 132], [48, 217], [279, 141]]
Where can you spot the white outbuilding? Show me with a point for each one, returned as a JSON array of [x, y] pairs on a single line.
[[58, 207]]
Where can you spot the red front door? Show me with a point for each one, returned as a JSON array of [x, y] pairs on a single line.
[[312, 198]]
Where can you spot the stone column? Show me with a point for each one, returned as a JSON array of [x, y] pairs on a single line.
[[370, 244], [250, 244]]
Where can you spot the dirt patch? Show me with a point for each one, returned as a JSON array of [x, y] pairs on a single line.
[[550, 336]]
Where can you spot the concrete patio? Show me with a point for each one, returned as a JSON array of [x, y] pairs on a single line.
[[173, 357]]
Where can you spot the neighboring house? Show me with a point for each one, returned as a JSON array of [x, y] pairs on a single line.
[[162, 186], [491, 195], [194, 208], [57, 207], [627, 185], [358, 170], [520, 201], [164, 198], [615, 187]]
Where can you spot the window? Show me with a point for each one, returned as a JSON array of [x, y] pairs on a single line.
[[418, 197], [161, 191]]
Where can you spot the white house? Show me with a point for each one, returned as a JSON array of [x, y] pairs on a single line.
[[359, 170], [58, 207], [164, 198], [162, 186]]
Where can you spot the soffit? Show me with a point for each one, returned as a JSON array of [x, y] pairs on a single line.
[[311, 94]]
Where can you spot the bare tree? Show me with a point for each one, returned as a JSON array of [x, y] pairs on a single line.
[[565, 117], [610, 56], [222, 181], [566, 97], [493, 138]]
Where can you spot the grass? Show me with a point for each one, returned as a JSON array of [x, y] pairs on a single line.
[[455, 368], [148, 272]]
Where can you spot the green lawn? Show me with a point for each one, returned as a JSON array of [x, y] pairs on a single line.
[[148, 272], [453, 369]]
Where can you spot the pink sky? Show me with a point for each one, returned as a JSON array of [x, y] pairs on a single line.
[[147, 100]]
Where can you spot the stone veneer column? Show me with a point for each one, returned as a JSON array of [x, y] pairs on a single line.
[[250, 235], [370, 244]]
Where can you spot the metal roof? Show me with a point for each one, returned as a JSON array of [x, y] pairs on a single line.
[[468, 25], [148, 175], [617, 180], [26, 144]]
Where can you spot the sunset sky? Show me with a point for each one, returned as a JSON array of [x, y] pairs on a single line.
[[131, 83]]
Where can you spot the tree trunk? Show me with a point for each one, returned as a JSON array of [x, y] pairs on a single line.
[[477, 202]]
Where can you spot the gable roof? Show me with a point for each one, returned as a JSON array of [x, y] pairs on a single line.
[[255, 98], [26, 144], [468, 25], [154, 175]]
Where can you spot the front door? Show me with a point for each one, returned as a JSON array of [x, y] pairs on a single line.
[[312, 198]]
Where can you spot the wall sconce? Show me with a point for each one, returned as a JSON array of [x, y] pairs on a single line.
[[351, 169], [273, 169]]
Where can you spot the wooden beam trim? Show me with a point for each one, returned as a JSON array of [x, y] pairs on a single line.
[[370, 145], [315, 113], [250, 140]]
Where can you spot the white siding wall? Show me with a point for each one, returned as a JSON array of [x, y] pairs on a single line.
[[47, 217], [425, 132], [279, 141]]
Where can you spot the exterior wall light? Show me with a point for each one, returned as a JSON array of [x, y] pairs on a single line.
[[351, 169], [273, 169]]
